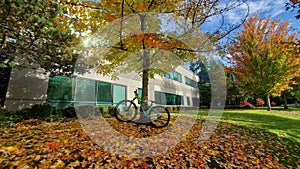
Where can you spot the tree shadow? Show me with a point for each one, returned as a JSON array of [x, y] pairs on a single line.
[[26, 87], [290, 128]]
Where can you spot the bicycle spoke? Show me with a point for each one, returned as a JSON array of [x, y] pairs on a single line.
[[159, 116], [125, 111]]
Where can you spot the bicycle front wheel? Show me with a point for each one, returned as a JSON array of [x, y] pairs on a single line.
[[125, 111], [159, 116]]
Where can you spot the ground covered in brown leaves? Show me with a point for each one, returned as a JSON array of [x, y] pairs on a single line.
[[67, 144]]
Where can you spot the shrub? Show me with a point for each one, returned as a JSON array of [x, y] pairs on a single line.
[[170, 108], [273, 103], [174, 109], [246, 106], [233, 107], [244, 103], [6, 116], [69, 112], [101, 109], [260, 102], [104, 111], [85, 111], [37, 111], [111, 110]]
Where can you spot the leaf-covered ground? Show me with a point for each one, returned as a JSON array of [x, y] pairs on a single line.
[[64, 144]]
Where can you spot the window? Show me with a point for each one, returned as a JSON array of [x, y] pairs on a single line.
[[177, 76], [179, 100], [85, 90], [168, 98], [60, 88], [119, 93], [167, 76], [104, 93], [190, 82], [187, 80], [195, 102], [174, 76], [188, 101], [62, 91]]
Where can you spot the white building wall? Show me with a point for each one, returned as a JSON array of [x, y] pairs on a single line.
[[30, 86], [26, 87], [133, 81]]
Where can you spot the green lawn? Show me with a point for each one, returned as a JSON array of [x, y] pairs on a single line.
[[284, 123]]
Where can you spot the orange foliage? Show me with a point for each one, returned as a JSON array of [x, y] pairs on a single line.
[[260, 102]]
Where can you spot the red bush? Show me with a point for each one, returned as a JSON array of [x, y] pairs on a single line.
[[243, 103]]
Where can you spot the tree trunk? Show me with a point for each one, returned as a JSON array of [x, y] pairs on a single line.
[[4, 80], [145, 79], [5, 53], [268, 102], [285, 106], [146, 63]]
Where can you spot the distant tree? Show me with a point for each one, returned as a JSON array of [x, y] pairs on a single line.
[[263, 59], [260, 102], [204, 85], [233, 92], [296, 88], [293, 92], [211, 80]]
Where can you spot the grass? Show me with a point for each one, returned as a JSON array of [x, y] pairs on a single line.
[[284, 123], [290, 108]]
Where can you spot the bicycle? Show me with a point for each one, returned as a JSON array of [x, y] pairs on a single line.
[[157, 116]]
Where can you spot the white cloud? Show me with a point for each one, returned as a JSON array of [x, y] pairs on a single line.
[[267, 8]]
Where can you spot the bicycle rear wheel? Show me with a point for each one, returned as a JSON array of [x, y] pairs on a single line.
[[159, 116], [125, 111]]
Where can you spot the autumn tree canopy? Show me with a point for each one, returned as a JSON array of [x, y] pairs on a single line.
[[264, 57], [86, 18]]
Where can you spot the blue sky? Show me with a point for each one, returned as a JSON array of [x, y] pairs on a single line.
[[265, 8], [273, 8]]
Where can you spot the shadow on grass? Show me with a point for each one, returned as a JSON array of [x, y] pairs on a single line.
[[280, 108], [278, 135], [286, 127]]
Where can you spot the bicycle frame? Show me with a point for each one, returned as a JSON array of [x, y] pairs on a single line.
[[146, 112], [143, 104]]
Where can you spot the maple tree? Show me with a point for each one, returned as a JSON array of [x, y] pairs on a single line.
[[263, 57], [260, 102], [296, 88], [293, 92], [88, 17]]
